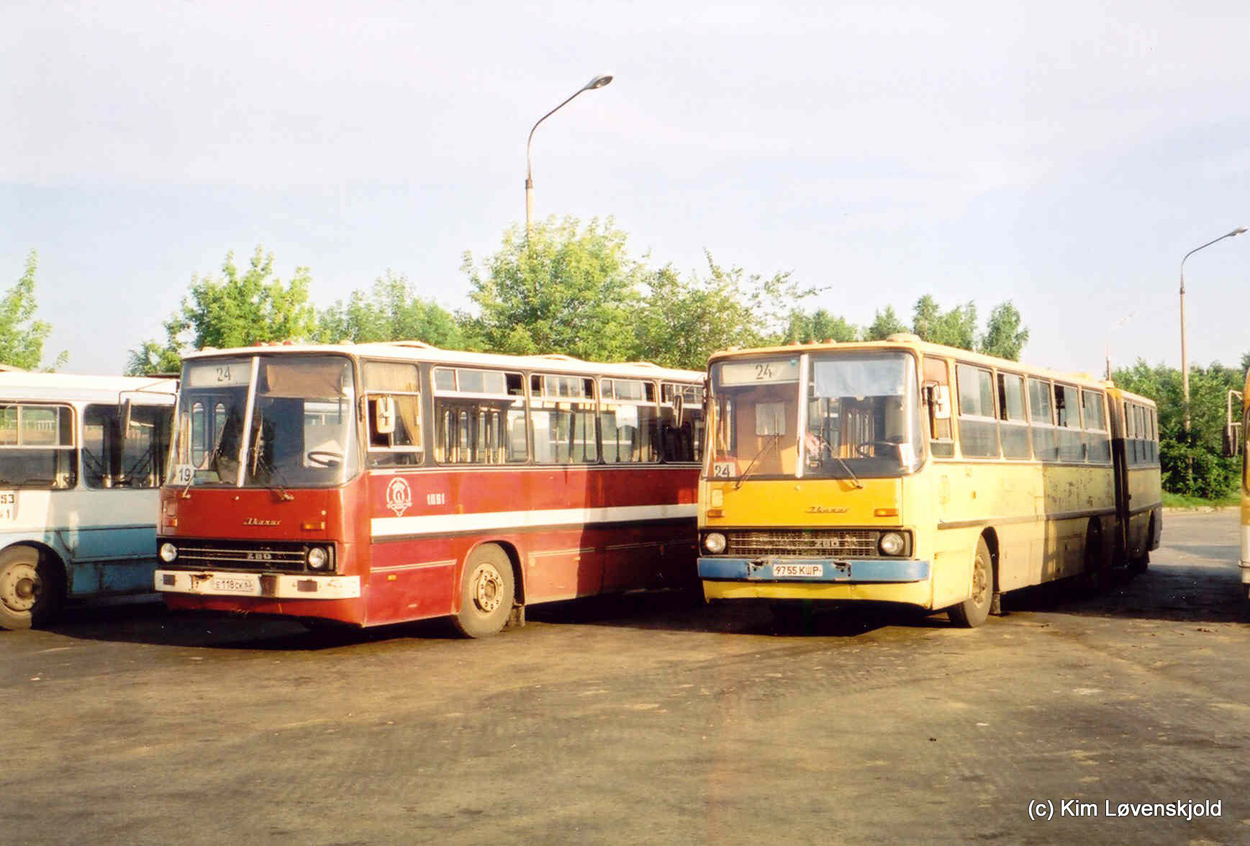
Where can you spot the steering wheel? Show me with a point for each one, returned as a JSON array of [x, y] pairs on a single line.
[[324, 458]]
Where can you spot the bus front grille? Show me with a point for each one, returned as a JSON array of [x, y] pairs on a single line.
[[244, 555], [822, 543]]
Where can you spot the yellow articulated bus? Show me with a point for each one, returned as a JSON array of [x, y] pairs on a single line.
[[1139, 492], [907, 472], [1235, 443]]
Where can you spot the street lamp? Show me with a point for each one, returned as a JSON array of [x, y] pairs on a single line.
[[1184, 359], [597, 82]]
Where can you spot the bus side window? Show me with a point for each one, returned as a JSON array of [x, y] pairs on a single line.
[[135, 458], [937, 378], [681, 422], [1013, 421], [1097, 443], [1130, 435], [563, 418], [978, 424], [1154, 435], [1068, 419], [45, 453], [479, 417], [628, 421], [1041, 421]]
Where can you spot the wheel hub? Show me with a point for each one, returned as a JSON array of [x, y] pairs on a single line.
[[979, 583], [488, 590], [20, 587]]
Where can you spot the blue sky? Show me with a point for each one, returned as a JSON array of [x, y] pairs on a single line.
[[1064, 155]]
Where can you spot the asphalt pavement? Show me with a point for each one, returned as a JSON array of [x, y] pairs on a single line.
[[651, 718]]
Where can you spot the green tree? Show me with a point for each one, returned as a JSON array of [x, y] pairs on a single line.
[[389, 311], [684, 320], [1004, 335], [563, 289], [819, 325], [954, 328], [884, 324], [153, 357], [21, 335], [1192, 461], [238, 310]]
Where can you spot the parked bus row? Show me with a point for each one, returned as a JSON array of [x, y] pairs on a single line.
[[381, 483]]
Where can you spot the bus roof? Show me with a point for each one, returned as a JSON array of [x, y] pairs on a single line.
[[1129, 395], [907, 341], [417, 351], [23, 384]]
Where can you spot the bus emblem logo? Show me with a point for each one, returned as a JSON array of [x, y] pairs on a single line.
[[398, 496]]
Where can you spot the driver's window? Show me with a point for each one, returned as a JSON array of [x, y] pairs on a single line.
[[937, 396], [402, 444]]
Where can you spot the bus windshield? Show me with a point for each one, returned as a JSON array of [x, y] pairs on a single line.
[[857, 416], [301, 431]]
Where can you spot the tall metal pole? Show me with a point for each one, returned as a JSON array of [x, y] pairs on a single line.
[[597, 82], [1184, 351]]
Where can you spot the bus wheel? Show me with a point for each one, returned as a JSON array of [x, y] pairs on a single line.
[[1139, 564], [972, 611], [30, 592], [1097, 575], [486, 593]]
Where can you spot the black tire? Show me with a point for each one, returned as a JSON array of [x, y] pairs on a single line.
[[31, 588], [1097, 575], [486, 592], [1139, 565], [974, 610]]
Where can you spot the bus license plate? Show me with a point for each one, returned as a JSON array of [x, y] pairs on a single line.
[[804, 571], [223, 584]]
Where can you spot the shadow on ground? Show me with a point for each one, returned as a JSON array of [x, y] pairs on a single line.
[[152, 623]]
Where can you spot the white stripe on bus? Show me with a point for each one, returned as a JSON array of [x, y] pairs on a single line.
[[438, 524]]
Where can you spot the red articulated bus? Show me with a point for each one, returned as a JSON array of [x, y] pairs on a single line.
[[382, 483]]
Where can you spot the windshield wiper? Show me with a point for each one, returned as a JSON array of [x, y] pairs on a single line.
[[858, 484], [758, 455], [259, 462]]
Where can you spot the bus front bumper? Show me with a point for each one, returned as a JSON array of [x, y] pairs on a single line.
[[819, 570], [269, 585], [821, 579]]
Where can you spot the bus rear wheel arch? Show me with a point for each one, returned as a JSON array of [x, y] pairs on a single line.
[[32, 587], [974, 610], [487, 591]]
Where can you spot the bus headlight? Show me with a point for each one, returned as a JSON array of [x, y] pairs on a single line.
[[892, 543], [714, 543], [168, 553], [318, 558]]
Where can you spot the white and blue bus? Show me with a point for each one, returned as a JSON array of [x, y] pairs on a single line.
[[81, 461]]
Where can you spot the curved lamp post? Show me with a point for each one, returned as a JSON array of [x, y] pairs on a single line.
[[597, 82], [1184, 359]]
